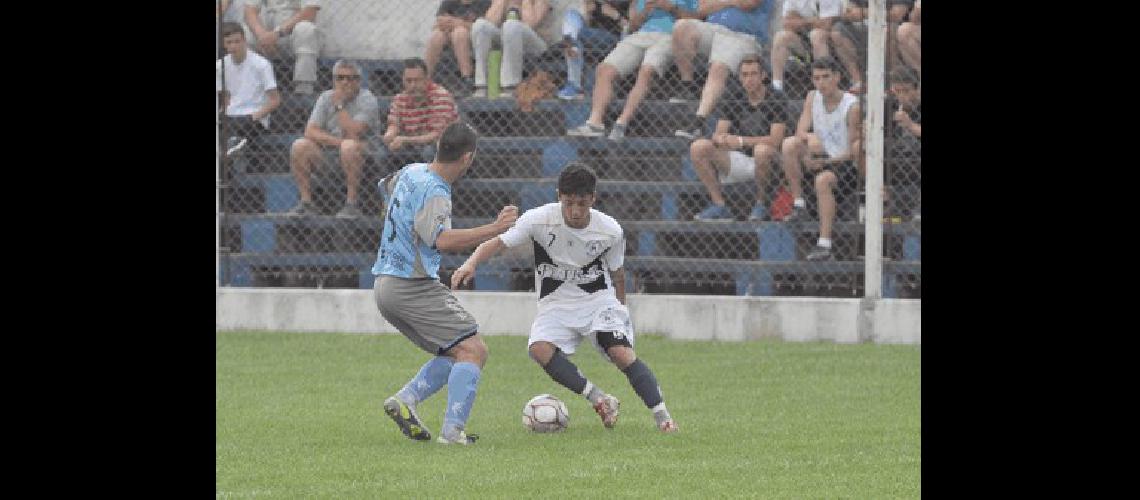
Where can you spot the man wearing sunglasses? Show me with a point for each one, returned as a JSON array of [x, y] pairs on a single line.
[[338, 126]]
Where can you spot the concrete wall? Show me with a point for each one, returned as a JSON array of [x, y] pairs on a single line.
[[689, 317]]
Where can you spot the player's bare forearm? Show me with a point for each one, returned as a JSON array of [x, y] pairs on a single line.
[[618, 275], [483, 252], [454, 240]]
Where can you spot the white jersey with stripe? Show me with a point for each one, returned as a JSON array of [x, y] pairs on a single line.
[[831, 128], [571, 266]]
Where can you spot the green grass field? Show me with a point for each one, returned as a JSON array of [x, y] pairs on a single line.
[[298, 415]]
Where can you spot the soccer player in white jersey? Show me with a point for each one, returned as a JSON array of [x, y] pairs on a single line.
[[578, 258]]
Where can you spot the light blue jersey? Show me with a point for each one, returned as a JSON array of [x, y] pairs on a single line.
[[660, 21], [418, 208], [754, 22]]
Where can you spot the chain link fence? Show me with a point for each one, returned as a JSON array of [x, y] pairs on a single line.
[[649, 180]]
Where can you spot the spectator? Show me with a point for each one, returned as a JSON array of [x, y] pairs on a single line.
[[804, 22], [249, 91], [524, 27], [418, 116], [600, 29], [761, 123], [339, 123], [849, 37], [649, 46], [229, 11], [910, 39], [829, 153], [903, 135], [287, 26], [453, 23], [731, 31]]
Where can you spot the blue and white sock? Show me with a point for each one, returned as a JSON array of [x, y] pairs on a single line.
[[461, 388], [431, 378]]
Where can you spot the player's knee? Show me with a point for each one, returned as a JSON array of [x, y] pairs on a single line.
[[541, 352], [622, 356]]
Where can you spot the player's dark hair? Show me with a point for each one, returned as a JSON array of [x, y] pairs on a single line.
[[230, 27], [415, 62], [577, 179], [457, 139], [826, 62], [905, 75]]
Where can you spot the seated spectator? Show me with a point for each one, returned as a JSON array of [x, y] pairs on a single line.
[[849, 38], [452, 26], [598, 31], [340, 122], [650, 46], [825, 150], [417, 118], [730, 32], [287, 26], [760, 123], [910, 39], [804, 22], [523, 27], [903, 135], [249, 91], [229, 11]]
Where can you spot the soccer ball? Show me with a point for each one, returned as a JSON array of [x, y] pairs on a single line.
[[545, 413]]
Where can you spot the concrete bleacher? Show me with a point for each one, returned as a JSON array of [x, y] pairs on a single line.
[[647, 182]]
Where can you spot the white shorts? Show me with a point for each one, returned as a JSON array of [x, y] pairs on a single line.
[[720, 44], [641, 49], [741, 168], [566, 328]]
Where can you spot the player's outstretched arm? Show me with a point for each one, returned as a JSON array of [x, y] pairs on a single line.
[[454, 240], [486, 250]]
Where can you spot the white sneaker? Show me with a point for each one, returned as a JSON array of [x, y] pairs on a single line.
[[607, 408], [586, 130]]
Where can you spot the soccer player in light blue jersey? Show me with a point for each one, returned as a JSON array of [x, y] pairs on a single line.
[[410, 296]]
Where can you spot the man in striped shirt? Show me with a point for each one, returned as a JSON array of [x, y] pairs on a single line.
[[417, 117]]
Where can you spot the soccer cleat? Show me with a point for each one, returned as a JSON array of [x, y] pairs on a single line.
[[759, 213], [607, 408], [668, 427], [820, 253], [714, 213], [463, 439], [406, 418], [350, 211], [587, 130]]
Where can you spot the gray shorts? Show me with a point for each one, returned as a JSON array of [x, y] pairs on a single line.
[[642, 49], [721, 44], [425, 311]]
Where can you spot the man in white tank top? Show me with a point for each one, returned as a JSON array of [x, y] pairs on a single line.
[[829, 155]]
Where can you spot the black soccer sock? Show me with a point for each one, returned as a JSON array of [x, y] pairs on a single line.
[[563, 371], [644, 383]]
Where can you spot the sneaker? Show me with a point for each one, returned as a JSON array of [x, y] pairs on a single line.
[[587, 130], [479, 92], [302, 208], [617, 133], [406, 418], [668, 426], [570, 92], [607, 408], [350, 211], [695, 131], [687, 93], [820, 253], [798, 214], [714, 213], [234, 145], [759, 213], [463, 438]]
